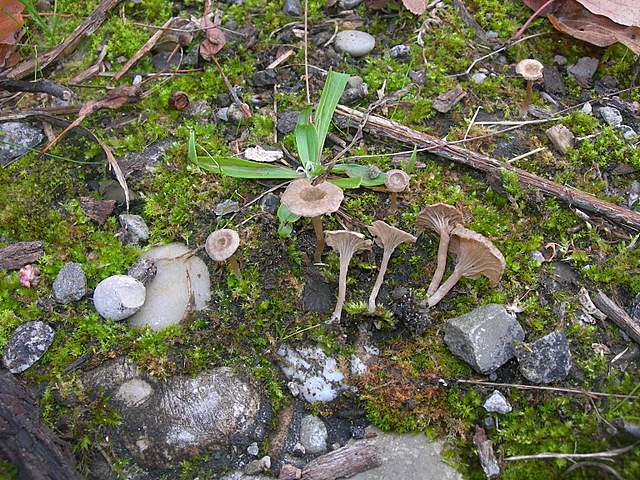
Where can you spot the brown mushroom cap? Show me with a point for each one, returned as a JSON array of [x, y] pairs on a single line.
[[476, 255], [530, 69], [307, 200], [439, 217], [389, 236], [222, 244], [396, 180], [347, 242]]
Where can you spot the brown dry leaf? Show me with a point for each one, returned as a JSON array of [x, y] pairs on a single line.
[[623, 12], [214, 39], [417, 7], [11, 22], [572, 17]]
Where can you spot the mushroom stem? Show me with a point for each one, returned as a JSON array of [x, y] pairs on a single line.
[[317, 227], [234, 266], [445, 287], [527, 100], [394, 202], [342, 288], [376, 286], [442, 264]]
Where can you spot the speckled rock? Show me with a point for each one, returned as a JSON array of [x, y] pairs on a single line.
[[611, 115], [27, 345], [313, 434], [546, 360], [144, 270], [118, 297], [497, 403], [134, 229], [17, 139], [354, 42], [70, 284]]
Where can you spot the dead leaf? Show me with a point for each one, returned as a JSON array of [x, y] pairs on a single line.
[[11, 22], [574, 18], [417, 7], [214, 39]]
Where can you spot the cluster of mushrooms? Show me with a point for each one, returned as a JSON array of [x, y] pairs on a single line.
[[475, 254]]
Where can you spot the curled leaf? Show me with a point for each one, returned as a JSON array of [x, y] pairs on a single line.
[[11, 22], [214, 38]]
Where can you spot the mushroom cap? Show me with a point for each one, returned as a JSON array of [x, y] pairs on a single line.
[[221, 244], [439, 217], [396, 180], [389, 236], [530, 69], [307, 200], [476, 255], [346, 242]]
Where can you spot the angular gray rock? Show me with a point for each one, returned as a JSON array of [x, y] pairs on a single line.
[[313, 434], [226, 207], [293, 8], [17, 139], [354, 42], [144, 270], [399, 51], [147, 159], [318, 294], [584, 70], [165, 422], [407, 457], [27, 345], [70, 284], [483, 337], [134, 229], [561, 137], [553, 82], [312, 373], [118, 297], [349, 4], [265, 78], [611, 115], [287, 121], [497, 403], [546, 360]]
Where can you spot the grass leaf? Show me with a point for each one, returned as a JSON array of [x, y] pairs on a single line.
[[238, 168], [331, 93], [307, 141], [355, 182], [191, 147]]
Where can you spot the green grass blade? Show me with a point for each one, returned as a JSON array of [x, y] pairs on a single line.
[[32, 10], [347, 182], [307, 141], [331, 93], [191, 147], [362, 172], [238, 168]]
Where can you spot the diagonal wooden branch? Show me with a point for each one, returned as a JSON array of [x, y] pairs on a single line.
[[572, 196], [84, 30]]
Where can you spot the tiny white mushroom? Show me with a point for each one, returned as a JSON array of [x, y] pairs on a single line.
[[221, 246], [396, 181], [531, 70], [390, 237], [346, 244]]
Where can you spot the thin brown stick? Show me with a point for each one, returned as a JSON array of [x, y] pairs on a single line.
[[533, 16], [572, 196], [243, 108], [550, 389]]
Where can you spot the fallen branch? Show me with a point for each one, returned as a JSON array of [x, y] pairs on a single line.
[[384, 127], [344, 462], [40, 86], [84, 30], [617, 315], [605, 454], [19, 254]]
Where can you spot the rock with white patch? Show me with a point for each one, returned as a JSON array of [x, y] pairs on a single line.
[[118, 297], [497, 403], [27, 345], [313, 434]]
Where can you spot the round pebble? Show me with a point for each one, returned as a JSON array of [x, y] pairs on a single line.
[[354, 42], [118, 297]]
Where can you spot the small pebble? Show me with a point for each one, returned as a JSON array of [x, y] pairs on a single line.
[[70, 284], [537, 256], [399, 51], [560, 60], [137, 80], [611, 115], [253, 449], [118, 297], [134, 230], [226, 207], [293, 8], [587, 108], [491, 34], [479, 78], [349, 4], [144, 270], [497, 403], [354, 42], [27, 345], [628, 133]]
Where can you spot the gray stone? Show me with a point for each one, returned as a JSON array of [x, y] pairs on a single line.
[[419, 77], [313, 434], [312, 373], [253, 449], [181, 284], [223, 114], [611, 115], [70, 284], [287, 121], [355, 81], [546, 360], [446, 101], [479, 78], [354, 42], [587, 108], [226, 207], [628, 133], [561, 137], [318, 295], [407, 457], [584, 70], [17, 139], [293, 8], [134, 230], [118, 297], [144, 270], [634, 193], [265, 78], [270, 203], [257, 466], [351, 95], [165, 422], [234, 113], [553, 82], [399, 51], [148, 159], [560, 60], [497, 403], [198, 110], [537, 256], [349, 4], [483, 337], [27, 345]]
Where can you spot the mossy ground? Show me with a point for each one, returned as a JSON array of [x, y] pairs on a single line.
[[252, 316]]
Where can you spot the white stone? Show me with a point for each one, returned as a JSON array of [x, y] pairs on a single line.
[[118, 297], [587, 108], [479, 78], [497, 403], [259, 154], [355, 42], [561, 137], [168, 294], [134, 392], [611, 115], [313, 434]]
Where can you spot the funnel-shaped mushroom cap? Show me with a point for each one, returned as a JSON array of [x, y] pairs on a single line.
[[346, 242], [389, 236], [530, 69], [476, 255], [307, 200], [396, 180], [439, 217], [221, 244]]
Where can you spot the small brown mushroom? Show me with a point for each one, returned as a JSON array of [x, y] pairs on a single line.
[[395, 181], [346, 244], [442, 219], [312, 201], [390, 237], [221, 246], [476, 256], [531, 71]]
